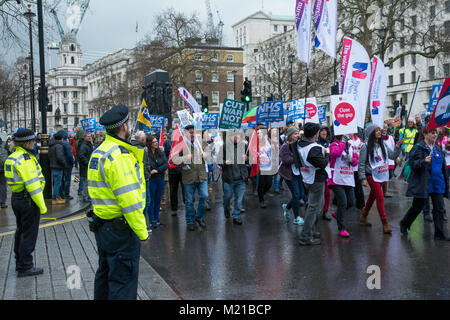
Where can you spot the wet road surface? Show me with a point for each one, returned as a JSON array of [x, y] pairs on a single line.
[[262, 259]]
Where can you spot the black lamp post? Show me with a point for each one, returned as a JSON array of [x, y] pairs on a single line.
[[291, 61], [382, 34], [30, 15]]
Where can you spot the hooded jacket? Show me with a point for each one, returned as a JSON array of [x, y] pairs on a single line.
[[56, 155]]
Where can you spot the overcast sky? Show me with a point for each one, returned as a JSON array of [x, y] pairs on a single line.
[[111, 24]]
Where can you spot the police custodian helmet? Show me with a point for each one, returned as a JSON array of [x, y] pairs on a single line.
[[24, 135], [115, 117]]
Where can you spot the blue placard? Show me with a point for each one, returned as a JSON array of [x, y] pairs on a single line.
[[270, 111], [209, 121], [99, 127], [435, 93], [296, 111], [89, 124], [322, 113], [157, 124]]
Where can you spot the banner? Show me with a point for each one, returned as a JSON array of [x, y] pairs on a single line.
[[355, 76], [325, 19], [189, 99], [206, 121], [270, 111], [99, 127], [378, 92], [441, 114], [231, 114], [156, 123], [435, 93], [185, 118], [296, 110], [322, 113], [303, 25], [88, 124], [143, 116], [344, 114]]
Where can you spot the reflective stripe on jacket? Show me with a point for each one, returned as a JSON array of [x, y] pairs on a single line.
[[408, 138], [22, 171], [116, 183]]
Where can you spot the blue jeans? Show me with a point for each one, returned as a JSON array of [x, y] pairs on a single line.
[[57, 176], [276, 182], [80, 185], [189, 194], [295, 185], [156, 191], [238, 188]]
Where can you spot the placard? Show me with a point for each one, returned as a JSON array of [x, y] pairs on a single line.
[[185, 118], [88, 124], [206, 121], [344, 114], [231, 114], [270, 111]]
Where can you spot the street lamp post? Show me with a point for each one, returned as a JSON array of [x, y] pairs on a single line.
[[291, 61], [24, 77], [30, 15], [382, 34]]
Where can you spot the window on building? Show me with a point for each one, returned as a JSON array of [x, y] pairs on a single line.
[[198, 96], [413, 59], [402, 78], [215, 98], [198, 76], [66, 107], [75, 108], [230, 58], [432, 31], [198, 57], [65, 121], [230, 95], [214, 76], [64, 94], [75, 82], [72, 60], [214, 57], [76, 121], [446, 70], [64, 82], [447, 6], [413, 76], [414, 21], [402, 61], [72, 47], [413, 39], [275, 28], [285, 28], [391, 81], [431, 74], [402, 42], [75, 94], [230, 76]]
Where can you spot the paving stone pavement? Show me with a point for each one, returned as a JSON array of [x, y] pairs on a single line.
[[61, 246]]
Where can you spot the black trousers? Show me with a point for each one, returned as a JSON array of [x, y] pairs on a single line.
[[359, 193], [119, 249], [345, 200], [174, 181], [27, 218], [264, 185], [438, 213]]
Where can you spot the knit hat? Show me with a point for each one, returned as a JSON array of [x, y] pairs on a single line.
[[371, 128], [311, 129], [290, 131]]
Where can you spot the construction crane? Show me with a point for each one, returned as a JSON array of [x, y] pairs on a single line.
[[211, 29], [77, 9], [220, 28]]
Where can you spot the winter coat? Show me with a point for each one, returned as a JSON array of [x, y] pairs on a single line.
[[419, 180], [315, 158], [145, 160], [286, 159], [233, 172], [70, 161], [85, 150], [56, 155], [159, 163]]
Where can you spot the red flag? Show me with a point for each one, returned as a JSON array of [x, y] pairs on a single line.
[[178, 145], [161, 138], [253, 149], [441, 114]]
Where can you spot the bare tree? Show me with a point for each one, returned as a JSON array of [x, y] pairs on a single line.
[[8, 92]]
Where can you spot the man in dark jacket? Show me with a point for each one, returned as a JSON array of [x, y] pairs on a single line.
[[85, 149], [57, 164], [70, 161], [234, 177], [312, 159]]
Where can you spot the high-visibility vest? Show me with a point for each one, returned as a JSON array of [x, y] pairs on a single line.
[[408, 138], [23, 172], [116, 183]]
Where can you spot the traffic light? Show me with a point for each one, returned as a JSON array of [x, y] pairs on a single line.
[[46, 103], [205, 108], [247, 92]]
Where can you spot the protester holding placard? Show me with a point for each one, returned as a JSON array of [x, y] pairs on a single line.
[[373, 171], [342, 160], [356, 143]]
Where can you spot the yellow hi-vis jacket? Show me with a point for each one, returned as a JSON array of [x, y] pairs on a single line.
[[116, 183], [22, 171], [408, 135]]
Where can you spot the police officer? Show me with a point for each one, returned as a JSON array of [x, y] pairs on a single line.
[[24, 177], [117, 188]]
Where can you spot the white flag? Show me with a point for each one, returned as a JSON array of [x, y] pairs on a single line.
[[355, 76], [378, 91], [303, 24], [325, 20]]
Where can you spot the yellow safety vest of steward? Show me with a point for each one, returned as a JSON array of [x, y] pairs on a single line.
[[409, 135], [22, 171], [116, 183]]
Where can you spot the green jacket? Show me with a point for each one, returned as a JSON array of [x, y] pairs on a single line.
[[193, 173]]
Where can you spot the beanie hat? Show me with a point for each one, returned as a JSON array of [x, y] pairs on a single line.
[[311, 129], [371, 128], [290, 131]]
